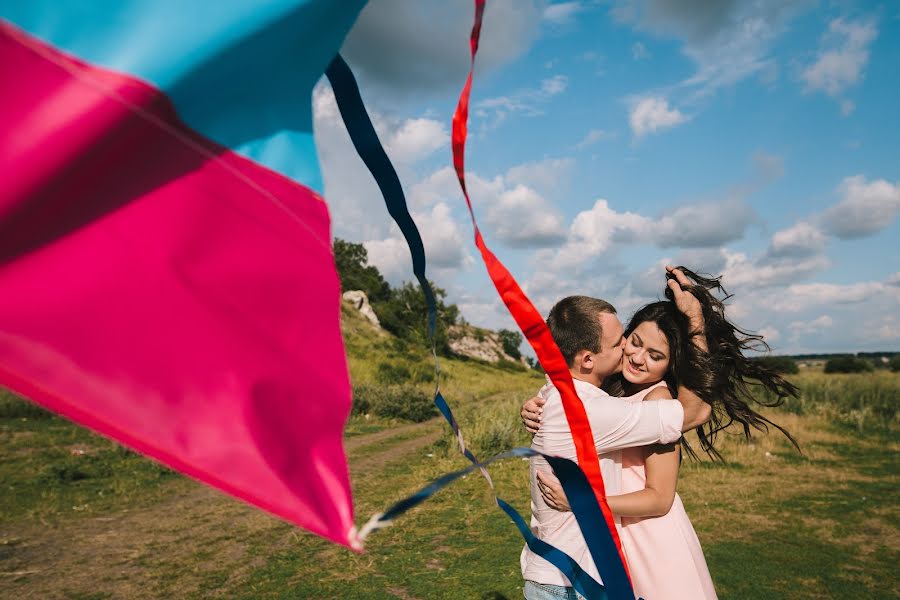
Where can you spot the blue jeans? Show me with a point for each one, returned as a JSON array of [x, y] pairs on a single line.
[[545, 591]]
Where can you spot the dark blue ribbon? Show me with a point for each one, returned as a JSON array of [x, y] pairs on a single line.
[[578, 490], [365, 140]]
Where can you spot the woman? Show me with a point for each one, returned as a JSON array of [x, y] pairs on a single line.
[[663, 552]]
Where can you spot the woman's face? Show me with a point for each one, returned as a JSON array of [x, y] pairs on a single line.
[[646, 356]]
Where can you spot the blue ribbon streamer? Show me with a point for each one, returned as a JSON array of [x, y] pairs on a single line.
[[365, 140], [581, 496]]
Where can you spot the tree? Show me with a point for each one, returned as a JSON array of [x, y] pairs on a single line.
[[779, 364], [353, 268], [405, 315], [848, 364], [511, 340], [895, 363]]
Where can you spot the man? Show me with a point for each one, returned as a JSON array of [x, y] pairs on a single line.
[[589, 335]]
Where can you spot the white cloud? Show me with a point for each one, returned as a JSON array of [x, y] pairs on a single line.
[[416, 139], [562, 12], [520, 217], [445, 246], [800, 240], [554, 85], [548, 176], [843, 57], [594, 231], [639, 51], [727, 41], [515, 210], [812, 327], [866, 207], [397, 46], [741, 271], [652, 114], [770, 334], [703, 224], [592, 137], [524, 102]]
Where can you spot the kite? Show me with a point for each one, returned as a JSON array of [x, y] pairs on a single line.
[[165, 258]]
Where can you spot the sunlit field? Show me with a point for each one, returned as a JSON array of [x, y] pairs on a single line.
[[81, 517]]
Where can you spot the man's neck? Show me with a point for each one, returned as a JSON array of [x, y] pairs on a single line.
[[590, 378]]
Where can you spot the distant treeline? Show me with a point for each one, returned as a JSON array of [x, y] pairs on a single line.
[[862, 362], [869, 355]]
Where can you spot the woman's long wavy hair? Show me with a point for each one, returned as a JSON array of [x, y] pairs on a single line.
[[723, 377]]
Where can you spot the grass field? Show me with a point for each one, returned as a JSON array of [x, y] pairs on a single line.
[[83, 518]]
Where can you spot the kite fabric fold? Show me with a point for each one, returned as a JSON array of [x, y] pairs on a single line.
[[163, 280]]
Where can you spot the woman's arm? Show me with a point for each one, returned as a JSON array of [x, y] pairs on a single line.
[[657, 496], [661, 469]]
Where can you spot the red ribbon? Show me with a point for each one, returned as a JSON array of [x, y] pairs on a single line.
[[526, 315]]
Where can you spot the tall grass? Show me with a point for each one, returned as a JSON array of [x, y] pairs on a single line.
[[865, 402]]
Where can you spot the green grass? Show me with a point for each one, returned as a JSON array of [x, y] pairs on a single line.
[[82, 518]]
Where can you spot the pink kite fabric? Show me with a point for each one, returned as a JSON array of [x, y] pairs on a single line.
[[166, 292]]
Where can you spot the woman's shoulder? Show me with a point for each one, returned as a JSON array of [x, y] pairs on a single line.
[[660, 391]]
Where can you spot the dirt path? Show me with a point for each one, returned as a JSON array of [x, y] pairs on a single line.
[[195, 535]]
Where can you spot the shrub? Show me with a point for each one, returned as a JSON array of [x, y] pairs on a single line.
[[848, 364], [390, 373], [779, 364], [394, 402], [895, 363]]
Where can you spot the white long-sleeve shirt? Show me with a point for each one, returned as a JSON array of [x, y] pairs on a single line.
[[616, 423]]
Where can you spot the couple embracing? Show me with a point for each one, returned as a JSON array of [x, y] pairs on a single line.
[[678, 366]]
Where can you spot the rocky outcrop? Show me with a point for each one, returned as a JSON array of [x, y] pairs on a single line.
[[360, 302], [474, 342]]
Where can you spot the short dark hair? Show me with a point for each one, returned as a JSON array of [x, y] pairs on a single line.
[[574, 323]]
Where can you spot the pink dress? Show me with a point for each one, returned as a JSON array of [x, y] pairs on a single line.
[[663, 553]]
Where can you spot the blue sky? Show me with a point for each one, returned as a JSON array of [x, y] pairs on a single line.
[[757, 140]]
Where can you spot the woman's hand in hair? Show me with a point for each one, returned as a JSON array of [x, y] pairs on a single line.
[[552, 492], [531, 414], [686, 302]]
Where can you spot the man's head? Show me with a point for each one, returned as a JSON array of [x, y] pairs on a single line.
[[589, 335]]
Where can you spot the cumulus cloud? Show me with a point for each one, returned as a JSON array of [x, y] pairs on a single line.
[[562, 12], [445, 246], [548, 176], [416, 139], [740, 270], [596, 229], [799, 241], [515, 210], [842, 58], [703, 224], [866, 207], [520, 217], [399, 46], [653, 114], [349, 187]]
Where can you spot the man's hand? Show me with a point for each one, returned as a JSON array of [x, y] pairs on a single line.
[[531, 414], [686, 302], [552, 492]]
